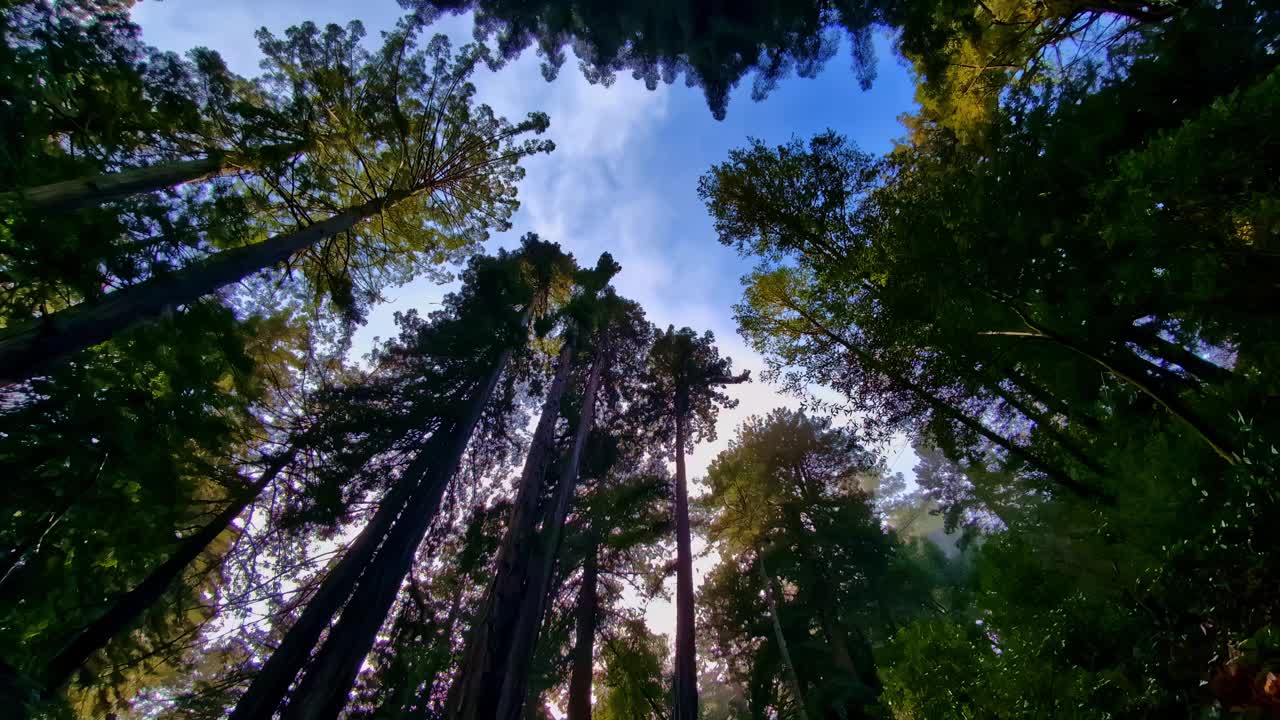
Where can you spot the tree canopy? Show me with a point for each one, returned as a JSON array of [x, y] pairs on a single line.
[[1057, 292]]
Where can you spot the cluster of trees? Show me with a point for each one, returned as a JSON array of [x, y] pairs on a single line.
[[1065, 301], [1060, 287]]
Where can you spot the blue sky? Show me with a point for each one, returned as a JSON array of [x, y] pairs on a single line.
[[623, 177]]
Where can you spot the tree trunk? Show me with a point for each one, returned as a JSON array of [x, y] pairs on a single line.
[[686, 672], [1173, 352], [519, 652], [323, 691], [272, 681], [1130, 368], [474, 694], [83, 192], [1046, 426], [588, 609], [126, 611], [771, 595], [33, 346], [1056, 474], [1055, 404]]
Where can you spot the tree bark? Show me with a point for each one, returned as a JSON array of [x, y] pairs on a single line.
[[126, 610], [33, 346], [770, 594], [272, 681], [686, 673], [83, 192], [523, 641], [324, 689], [583, 672], [474, 694]]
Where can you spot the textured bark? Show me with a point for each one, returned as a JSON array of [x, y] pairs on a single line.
[[686, 672], [83, 192], [523, 641], [272, 681], [771, 595], [31, 347], [126, 610], [588, 608], [474, 694], [323, 691]]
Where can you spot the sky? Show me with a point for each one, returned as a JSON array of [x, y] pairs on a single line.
[[623, 177]]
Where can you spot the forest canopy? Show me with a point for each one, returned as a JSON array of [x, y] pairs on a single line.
[[1058, 288]]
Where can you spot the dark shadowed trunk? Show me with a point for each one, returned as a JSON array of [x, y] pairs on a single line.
[[524, 638], [272, 681], [475, 691], [587, 610], [1152, 342], [83, 192], [771, 596], [1054, 403], [1138, 372], [1054, 473], [129, 608], [686, 671], [324, 689], [31, 347]]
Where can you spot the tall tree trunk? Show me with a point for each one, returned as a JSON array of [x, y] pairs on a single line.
[[31, 347], [686, 672], [588, 609], [83, 192], [1132, 369], [771, 595], [1152, 342], [128, 608], [323, 691], [519, 651], [474, 694], [272, 681], [1054, 473], [1055, 404]]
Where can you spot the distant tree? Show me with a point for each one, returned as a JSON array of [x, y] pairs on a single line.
[[684, 377], [786, 503], [483, 686], [633, 675]]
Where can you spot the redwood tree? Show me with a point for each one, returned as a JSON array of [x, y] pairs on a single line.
[[685, 376]]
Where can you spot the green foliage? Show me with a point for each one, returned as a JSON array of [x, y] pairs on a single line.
[[633, 679], [126, 450], [713, 45]]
